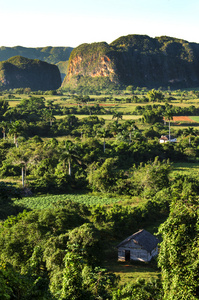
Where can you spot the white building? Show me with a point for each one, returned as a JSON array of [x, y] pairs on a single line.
[[165, 139]]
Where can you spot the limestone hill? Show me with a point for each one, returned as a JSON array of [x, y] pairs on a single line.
[[137, 60], [21, 72], [53, 55]]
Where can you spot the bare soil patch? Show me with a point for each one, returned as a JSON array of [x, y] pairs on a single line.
[[181, 119]]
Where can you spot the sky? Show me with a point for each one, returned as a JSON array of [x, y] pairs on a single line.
[[69, 23]]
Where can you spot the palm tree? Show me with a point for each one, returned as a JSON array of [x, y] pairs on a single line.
[[69, 154], [14, 129], [169, 116], [85, 129], [189, 132], [114, 128], [130, 125], [117, 116], [48, 116], [4, 126], [23, 157], [104, 134]]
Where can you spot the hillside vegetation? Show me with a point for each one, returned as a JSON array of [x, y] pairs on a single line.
[[21, 72], [137, 60], [52, 55], [81, 173]]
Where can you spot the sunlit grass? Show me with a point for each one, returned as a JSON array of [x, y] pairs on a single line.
[[189, 168], [131, 272], [194, 118]]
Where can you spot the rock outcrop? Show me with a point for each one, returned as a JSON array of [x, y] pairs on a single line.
[[21, 72], [137, 60]]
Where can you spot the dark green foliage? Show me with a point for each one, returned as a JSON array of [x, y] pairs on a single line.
[[7, 192], [150, 178], [137, 60], [21, 236], [21, 72], [52, 55], [49, 54], [85, 241], [152, 116], [103, 178], [141, 290], [178, 256], [4, 105], [81, 281], [21, 287], [36, 243], [185, 186], [89, 85]]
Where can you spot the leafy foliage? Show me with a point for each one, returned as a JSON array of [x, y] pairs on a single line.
[[178, 256]]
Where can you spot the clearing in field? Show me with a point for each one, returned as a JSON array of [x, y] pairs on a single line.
[[194, 118], [186, 168]]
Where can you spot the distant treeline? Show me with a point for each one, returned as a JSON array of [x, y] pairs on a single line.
[[175, 110]]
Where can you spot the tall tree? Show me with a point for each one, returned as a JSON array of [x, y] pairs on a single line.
[[23, 156], [4, 105], [48, 116], [189, 132], [130, 125], [117, 115], [152, 116], [169, 116], [15, 128], [104, 134], [154, 95], [69, 154], [4, 126], [178, 257]]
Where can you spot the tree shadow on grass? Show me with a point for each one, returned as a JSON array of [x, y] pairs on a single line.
[[10, 209]]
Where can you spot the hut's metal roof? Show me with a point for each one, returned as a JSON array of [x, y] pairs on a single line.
[[143, 238]]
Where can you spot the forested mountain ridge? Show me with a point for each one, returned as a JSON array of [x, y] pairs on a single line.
[[53, 55], [21, 72], [137, 60]]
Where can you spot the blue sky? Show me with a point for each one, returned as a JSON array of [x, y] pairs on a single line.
[[39, 23]]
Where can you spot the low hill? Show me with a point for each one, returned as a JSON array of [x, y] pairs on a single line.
[[137, 60], [52, 55], [21, 72]]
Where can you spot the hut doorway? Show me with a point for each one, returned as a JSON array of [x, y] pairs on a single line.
[[127, 255]]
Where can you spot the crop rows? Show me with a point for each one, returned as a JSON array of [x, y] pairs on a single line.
[[43, 202]]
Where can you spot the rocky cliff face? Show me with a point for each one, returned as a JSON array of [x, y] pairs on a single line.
[[20, 72], [92, 60], [137, 60]]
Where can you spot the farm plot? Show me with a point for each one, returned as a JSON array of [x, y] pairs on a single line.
[[43, 202], [182, 119]]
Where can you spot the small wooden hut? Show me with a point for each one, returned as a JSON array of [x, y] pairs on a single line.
[[141, 246]]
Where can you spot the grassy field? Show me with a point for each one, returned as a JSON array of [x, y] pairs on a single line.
[[132, 271], [42, 202], [194, 118], [186, 168]]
